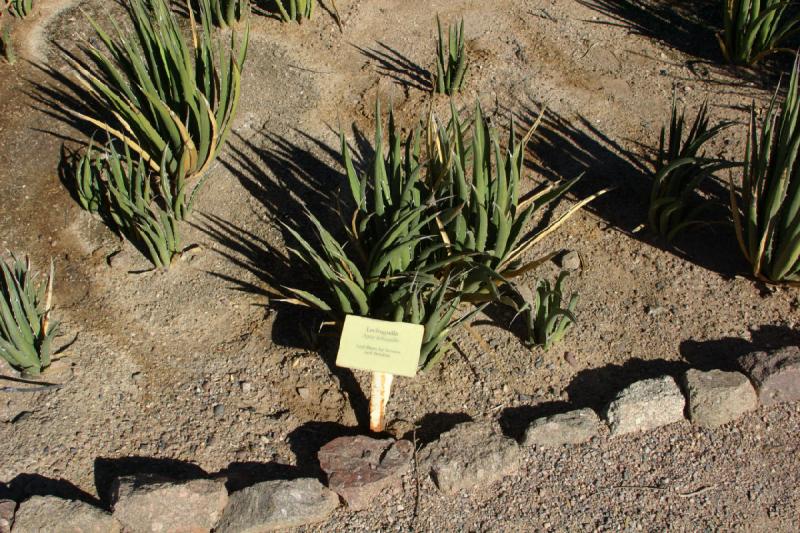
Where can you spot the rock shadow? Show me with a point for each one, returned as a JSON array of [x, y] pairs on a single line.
[[241, 475], [306, 440], [723, 353], [596, 387], [25, 486], [515, 420], [431, 426], [106, 470]]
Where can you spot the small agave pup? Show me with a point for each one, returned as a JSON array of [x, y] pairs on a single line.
[[26, 330], [119, 188], [681, 167], [451, 62]]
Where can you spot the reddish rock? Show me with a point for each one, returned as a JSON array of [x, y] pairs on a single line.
[[148, 503], [359, 468], [776, 375], [7, 508]]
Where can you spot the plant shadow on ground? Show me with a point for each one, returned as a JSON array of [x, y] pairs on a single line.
[[691, 28], [595, 388], [287, 177], [564, 148], [394, 65]]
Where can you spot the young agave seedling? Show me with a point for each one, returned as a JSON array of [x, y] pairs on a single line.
[[26, 330], [173, 102], [767, 214], [755, 28], [547, 322], [295, 10], [228, 13], [119, 188], [681, 167], [451, 62]]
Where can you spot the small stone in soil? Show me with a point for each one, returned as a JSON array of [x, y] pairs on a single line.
[[219, 410]]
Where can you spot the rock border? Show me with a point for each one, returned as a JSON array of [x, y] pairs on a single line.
[[708, 399]]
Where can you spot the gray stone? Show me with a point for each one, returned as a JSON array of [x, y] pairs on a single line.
[[147, 503], [359, 468], [573, 427], [469, 455], [7, 508], [277, 505], [41, 514], [716, 397], [570, 261], [776, 374], [645, 405]]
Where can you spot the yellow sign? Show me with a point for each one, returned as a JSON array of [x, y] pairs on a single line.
[[380, 346]]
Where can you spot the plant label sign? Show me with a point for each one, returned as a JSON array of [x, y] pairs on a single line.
[[380, 346]]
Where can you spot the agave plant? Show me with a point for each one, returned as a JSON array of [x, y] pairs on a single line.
[[547, 322], [767, 214], [680, 168], [20, 8], [226, 13], [172, 102], [755, 28], [387, 271], [451, 62], [492, 219], [26, 330], [295, 10], [120, 188]]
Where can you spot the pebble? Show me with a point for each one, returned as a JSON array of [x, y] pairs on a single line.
[[219, 410]]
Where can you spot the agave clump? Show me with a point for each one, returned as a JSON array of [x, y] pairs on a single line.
[[119, 187], [451, 59], [481, 183], [227, 13], [26, 330], [172, 101], [680, 168], [295, 10], [754, 28], [766, 215]]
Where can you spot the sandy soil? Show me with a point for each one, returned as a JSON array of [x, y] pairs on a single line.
[[196, 370]]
